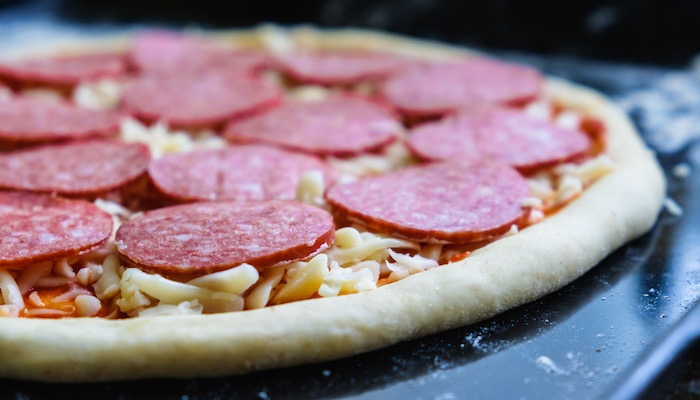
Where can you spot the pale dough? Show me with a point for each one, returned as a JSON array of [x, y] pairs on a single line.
[[512, 271]]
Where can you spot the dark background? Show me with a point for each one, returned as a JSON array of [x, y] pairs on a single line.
[[650, 32]]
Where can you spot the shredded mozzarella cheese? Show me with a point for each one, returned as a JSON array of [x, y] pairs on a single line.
[[673, 207], [588, 171], [11, 294], [162, 141], [370, 245], [304, 280], [360, 277], [539, 109], [171, 292], [395, 156], [184, 308], [309, 93], [87, 305], [405, 265], [310, 189], [235, 280], [100, 95], [260, 296], [568, 120], [31, 274], [107, 285]]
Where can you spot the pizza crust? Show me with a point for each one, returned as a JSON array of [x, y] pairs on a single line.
[[505, 274]]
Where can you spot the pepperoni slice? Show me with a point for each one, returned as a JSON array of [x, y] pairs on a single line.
[[5, 92], [336, 68], [74, 169], [64, 71], [159, 51], [339, 126], [439, 88], [36, 228], [30, 120], [504, 135], [195, 239], [240, 173], [191, 101], [436, 203]]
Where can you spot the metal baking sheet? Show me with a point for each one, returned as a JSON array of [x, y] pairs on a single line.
[[574, 343]]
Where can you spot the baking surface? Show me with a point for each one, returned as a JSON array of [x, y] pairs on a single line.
[[574, 343]]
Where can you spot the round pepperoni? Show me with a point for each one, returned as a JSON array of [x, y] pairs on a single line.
[[337, 126], [36, 228], [74, 169], [63, 71], [195, 239], [5, 92], [240, 173], [436, 203], [439, 88], [504, 135], [198, 100], [31, 120], [335, 68], [158, 51]]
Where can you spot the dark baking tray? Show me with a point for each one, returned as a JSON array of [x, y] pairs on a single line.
[[580, 342]]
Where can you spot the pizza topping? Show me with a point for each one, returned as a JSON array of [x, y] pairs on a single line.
[[160, 51], [196, 239], [63, 71], [311, 188], [136, 283], [304, 279], [226, 256], [437, 203], [440, 88], [31, 121], [240, 173], [205, 99], [352, 247], [394, 156], [405, 265], [357, 266], [337, 126], [360, 277], [35, 228], [74, 169], [12, 300], [556, 186], [163, 141], [5, 92], [504, 135], [103, 94], [339, 68]]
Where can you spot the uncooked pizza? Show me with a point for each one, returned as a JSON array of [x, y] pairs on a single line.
[[185, 205]]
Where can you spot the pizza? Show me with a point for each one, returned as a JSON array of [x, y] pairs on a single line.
[[207, 204]]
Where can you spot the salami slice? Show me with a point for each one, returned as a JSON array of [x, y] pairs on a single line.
[[36, 228], [31, 120], [159, 51], [339, 125], [74, 169], [63, 71], [206, 99], [195, 239], [504, 135], [440, 88], [5, 92], [336, 68], [240, 173], [436, 203]]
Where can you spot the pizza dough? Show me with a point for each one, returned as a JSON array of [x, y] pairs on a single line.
[[505, 274]]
